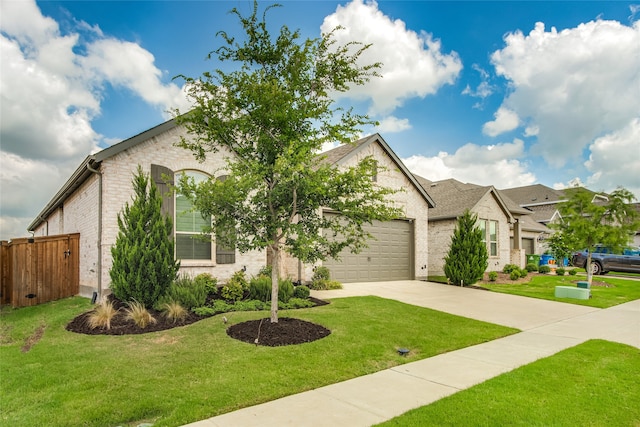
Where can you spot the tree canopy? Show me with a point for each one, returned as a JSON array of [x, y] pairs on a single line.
[[610, 221], [273, 115]]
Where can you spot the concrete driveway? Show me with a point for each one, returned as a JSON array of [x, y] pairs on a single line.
[[502, 309]]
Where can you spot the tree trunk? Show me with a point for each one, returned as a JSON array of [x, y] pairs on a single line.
[[588, 267], [275, 275]]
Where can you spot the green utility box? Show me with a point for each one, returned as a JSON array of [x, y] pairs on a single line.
[[583, 285]]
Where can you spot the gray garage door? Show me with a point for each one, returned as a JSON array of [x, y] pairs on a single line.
[[388, 257]]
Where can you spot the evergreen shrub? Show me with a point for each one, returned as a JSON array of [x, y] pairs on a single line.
[[143, 255], [467, 259]]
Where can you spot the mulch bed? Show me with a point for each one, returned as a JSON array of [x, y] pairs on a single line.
[[287, 331]]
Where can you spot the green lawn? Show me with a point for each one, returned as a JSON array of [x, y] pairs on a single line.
[[592, 384], [617, 292], [194, 372]]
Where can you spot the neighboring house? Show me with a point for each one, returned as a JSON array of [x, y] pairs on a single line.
[[399, 250], [89, 202], [541, 200], [509, 233]]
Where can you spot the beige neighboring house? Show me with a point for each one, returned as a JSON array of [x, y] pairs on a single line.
[[89, 202], [509, 231]]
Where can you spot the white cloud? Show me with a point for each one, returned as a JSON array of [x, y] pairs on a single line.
[[506, 121], [615, 160], [574, 85], [52, 87], [393, 124], [413, 64], [484, 88], [496, 165]]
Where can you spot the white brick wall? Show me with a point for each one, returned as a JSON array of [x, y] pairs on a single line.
[[80, 211]]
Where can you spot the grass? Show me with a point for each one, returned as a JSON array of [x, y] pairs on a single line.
[[194, 372], [543, 286], [592, 384]]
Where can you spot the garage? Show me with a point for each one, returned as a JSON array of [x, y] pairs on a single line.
[[388, 257]]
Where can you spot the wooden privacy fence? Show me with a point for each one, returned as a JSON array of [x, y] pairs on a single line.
[[38, 270]]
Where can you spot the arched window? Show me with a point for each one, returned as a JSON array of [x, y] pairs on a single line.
[[189, 224]]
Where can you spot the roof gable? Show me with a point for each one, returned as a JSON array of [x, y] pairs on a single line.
[[453, 198], [343, 153]]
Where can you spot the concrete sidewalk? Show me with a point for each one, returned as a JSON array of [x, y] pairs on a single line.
[[548, 327]]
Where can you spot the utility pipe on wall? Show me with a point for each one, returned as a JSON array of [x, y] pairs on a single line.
[[99, 266]]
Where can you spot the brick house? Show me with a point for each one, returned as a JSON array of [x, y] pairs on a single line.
[[89, 202], [509, 231]]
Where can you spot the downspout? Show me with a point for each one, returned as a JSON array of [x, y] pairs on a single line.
[[99, 266]]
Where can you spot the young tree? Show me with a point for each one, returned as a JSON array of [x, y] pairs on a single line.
[[273, 115], [559, 247], [467, 259], [143, 261], [586, 223]]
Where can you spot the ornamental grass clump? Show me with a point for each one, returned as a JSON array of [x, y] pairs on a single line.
[[139, 314], [174, 312], [102, 315]]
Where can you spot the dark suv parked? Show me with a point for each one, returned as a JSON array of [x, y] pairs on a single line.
[[603, 260]]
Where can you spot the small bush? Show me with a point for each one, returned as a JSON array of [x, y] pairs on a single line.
[[493, 276], [209, 283], [573, 272], [544, 269], [186, 291], [102, 315], [560, 271], [240, 278], [514, 275], [321, 280], [285, 290], [531, 267], [250, 305], [232, 291], [320, 273], [295, 303], [523, 272], [174, 311], [302, 292], [139, 314], [260, 288], [204, 311], [265, 271], [222, 306], [507, 269]]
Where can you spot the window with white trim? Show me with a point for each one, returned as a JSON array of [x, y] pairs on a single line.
[[489, 230], [189, 223]]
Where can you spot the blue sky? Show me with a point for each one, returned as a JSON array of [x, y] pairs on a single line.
[[494, 93]]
